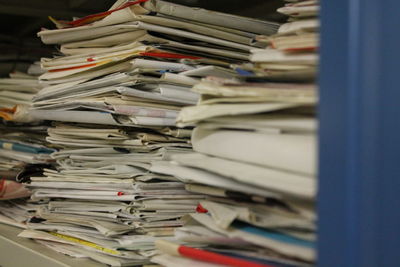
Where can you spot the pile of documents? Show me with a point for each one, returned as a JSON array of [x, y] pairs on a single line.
[[23, 149], [23, 153], [136, 65], [127, 187], [292, 53], [255, 154], [255, 157], [22, 145], [16, 93], [19, 88], [16, 212], [114, 96]]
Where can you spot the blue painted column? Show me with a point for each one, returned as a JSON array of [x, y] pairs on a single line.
[[359, 169]]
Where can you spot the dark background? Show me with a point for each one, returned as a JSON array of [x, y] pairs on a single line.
[[20, 20]]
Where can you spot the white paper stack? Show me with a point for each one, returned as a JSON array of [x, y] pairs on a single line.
[[23, 151], [256, 157], [292, 52], [136, 66], [18, 89], [115, 94], [16, 94], [103, 192], [254, 154], [16, 212]]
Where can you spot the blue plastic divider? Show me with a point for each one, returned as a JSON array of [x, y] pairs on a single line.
[[359, 169]]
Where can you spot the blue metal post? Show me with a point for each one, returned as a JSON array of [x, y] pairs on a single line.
[[359, 169]]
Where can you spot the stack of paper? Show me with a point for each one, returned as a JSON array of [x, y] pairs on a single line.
[[291, 54], [16, 94], [102, 196], [137, 64], [255, 157], [16, 212], [24, 143], [20, 143], [18, 89], [116, 93], [23, 149]]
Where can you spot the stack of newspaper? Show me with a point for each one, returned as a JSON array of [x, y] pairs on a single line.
[[23, 149], [19, 88], [115, 94], [16, 94], [17, 211], [292, 53], [22, 145], [136, 65], [255, 153], [255, 156]]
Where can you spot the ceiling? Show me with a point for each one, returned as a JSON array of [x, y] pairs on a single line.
[[20, 20]]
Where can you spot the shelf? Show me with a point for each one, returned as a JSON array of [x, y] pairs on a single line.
[[16, 252]]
